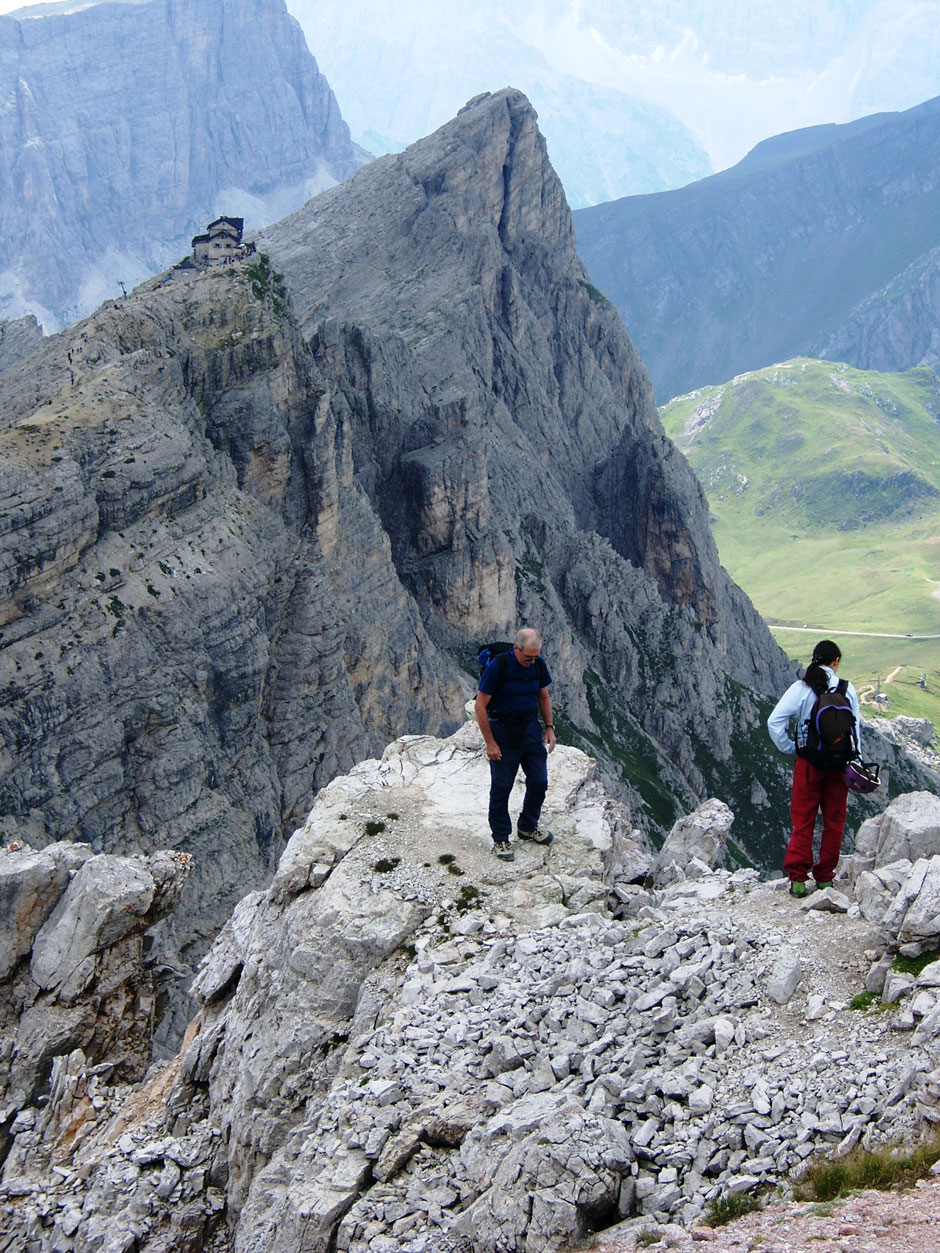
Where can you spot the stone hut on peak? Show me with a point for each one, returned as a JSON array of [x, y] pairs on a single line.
[[221, 244]]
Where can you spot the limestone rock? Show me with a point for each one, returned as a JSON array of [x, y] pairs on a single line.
[[280, 525], [785, 975], [18, 338], [545, 1187], [699, 837], [123, 126], [914, 914], [104, 901], [908, 829], [405, 1047], [875, 890], [30, 886], [919, 729], [76, 974]]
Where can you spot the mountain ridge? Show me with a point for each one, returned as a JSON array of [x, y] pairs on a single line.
[[128, 127], [799, 239], [399, 1044], [244, 547]]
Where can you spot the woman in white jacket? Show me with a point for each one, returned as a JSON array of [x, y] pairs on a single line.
[[813, 788]]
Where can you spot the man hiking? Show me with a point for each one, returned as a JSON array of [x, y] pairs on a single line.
[[513, 691]]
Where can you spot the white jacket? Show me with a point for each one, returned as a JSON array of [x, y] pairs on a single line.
[[797, 701]]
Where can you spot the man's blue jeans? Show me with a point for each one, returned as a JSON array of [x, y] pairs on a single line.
[[519, 747]]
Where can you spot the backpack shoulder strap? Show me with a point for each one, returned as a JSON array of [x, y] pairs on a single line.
[[842, 686], [502, 660], [502, 665]]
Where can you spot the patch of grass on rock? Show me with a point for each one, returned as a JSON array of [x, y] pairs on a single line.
[[725, 1209], [895, 1166]]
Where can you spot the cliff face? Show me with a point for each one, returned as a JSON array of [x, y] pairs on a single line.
[[501, 416], [242, 547], [818, 242], [181, 657], [125, 128], [896, 327]]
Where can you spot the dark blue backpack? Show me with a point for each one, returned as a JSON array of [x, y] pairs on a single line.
[[500, 649], [831, 736]]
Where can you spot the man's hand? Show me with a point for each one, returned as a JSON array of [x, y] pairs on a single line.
[[493, 751], [550, 739]]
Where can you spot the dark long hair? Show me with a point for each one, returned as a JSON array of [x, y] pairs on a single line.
[[824, 654]]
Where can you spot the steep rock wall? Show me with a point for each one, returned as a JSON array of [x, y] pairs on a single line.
[[125, 128]]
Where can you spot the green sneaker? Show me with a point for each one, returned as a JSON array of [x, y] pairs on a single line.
[[798, 889], [823, 883]]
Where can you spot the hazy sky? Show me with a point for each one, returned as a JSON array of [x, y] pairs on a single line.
[[8, 6], [748, 70]]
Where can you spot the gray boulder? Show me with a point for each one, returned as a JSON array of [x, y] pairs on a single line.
[[696, 842], [105, 900], [908, 829], [919, 729], [914, 914], [30, 886], [784, 976], [546, 1172], [76, 972], [876, 889]]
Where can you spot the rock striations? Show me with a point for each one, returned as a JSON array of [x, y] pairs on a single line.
[[124, 128], [242, 548], [18, 339], [404, 1046]]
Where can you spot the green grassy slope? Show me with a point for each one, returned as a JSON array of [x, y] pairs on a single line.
[[824, 488]]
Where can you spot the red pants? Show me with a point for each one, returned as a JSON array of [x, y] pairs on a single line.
[[814, 790]]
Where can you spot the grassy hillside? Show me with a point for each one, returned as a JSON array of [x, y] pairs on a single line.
[[824, 488]]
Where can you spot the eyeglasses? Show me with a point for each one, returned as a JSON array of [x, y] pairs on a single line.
[[527, 657]]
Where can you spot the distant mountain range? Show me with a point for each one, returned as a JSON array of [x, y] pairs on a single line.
[[126, 128], [631, 97], [822, 242]]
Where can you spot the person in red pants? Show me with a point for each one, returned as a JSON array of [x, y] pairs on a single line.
[[814, 789]]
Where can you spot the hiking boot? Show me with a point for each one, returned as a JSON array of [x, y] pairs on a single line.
[[536, 835], [822, 884], [503, 851], [798, 889]]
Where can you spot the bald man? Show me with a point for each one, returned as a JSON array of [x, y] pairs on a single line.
[[513, 692]]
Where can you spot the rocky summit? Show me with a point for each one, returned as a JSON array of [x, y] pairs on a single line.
[[256, 523], [125, 128], [406, 1046]]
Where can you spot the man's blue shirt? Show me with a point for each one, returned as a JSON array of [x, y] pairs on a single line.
[[520, 692]]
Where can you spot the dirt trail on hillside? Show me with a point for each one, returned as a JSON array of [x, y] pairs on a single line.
[[865, 692]]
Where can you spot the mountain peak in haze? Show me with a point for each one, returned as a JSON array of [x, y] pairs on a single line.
[[128, 127], [782, 255]]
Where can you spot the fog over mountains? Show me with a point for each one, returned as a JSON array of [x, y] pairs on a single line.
[[626, 94], [126, 128]]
